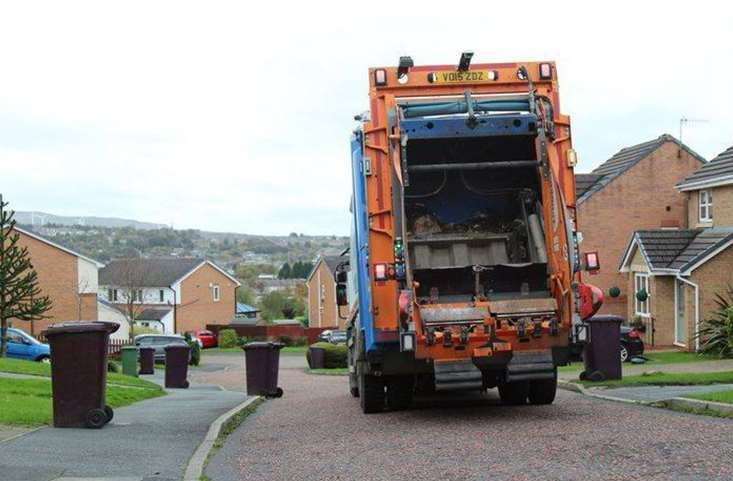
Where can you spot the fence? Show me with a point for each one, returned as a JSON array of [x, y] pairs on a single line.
[[271, 332], [114, 346]]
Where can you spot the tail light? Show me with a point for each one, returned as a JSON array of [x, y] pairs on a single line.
[[545, 71], [380, 77], [380, 272]]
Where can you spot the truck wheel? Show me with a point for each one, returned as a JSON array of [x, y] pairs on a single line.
[[542, 391], [371, 393], [399, 392], [514, 393]]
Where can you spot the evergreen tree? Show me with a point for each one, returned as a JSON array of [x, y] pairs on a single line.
[[285, 272], [20, 296]]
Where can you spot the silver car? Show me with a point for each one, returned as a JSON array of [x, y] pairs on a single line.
[[159, 343]]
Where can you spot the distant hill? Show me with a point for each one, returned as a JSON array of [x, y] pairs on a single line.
[[37, 219]]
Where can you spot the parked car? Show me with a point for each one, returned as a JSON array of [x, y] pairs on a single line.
[[630, 345], [206, 338], [26, 347], [159, 343], [325, 336], [337, 337]]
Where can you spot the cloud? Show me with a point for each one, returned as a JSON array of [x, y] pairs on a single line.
[[236, 117]]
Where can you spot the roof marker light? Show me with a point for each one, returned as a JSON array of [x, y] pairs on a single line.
[[545, 71], [380, 77]]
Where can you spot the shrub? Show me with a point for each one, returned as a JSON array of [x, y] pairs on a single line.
[[113, 366], [286, 341], [228, 338], [300, 341], [716, 333], [195, 350], [335, 355]]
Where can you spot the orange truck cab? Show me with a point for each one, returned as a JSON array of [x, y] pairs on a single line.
[[464, 268]]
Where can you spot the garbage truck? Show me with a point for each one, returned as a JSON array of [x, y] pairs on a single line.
[[465, 269]]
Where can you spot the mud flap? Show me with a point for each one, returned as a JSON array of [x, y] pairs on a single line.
[[530, 365]]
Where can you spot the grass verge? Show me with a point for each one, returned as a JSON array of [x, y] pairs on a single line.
[[654, 359], [228, 428], [30, 368], [230, 350], [718, 397], [668, 379], [337, 371], [27, 402]]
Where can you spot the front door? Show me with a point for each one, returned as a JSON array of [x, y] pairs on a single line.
[[680, 324]]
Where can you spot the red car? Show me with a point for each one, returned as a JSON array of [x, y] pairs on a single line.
[[206, 338]]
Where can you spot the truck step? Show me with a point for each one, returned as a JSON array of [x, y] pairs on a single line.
[[531, 365], [457, 375]]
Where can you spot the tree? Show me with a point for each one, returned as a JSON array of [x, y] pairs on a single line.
[[133, 275], [245, 295], [20, 295], [285, 272]]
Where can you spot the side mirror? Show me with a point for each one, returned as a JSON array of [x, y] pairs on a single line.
[[341, 296]]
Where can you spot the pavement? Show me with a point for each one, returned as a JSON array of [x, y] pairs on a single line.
[[650, 394], [151, 440], [316, 431]]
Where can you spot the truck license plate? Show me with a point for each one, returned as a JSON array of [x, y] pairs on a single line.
[[461, 77]]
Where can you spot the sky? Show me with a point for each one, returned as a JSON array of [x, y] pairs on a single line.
[[236, 116]]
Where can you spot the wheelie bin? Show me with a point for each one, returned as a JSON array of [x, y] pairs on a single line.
[[602, 350], [262, 360], [129, 360], [316, 357], [147, 360], [79, 373], [176, 366]]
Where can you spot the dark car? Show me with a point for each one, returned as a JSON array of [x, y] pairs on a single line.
[[337, 337], [631, 343], [159, 342]]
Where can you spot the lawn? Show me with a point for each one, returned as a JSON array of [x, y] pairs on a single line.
[[17, 366], [719, 397], [27, 402], [229, 350], [654, 359], [337, 371], [669, 379]]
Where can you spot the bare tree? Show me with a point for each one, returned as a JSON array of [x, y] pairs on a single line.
[[133, 275]]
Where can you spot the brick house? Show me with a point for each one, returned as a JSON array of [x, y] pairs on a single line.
[[633, 190], [67, 277], [682, 270], [174, 295], [321, 282]]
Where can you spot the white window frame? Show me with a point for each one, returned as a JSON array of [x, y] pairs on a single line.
[[705, 205], [216, 292], [641, 281]]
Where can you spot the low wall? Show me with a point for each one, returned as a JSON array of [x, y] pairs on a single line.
[[272, 332]]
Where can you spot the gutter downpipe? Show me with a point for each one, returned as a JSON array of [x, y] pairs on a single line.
[[175, 303], [697, 308]]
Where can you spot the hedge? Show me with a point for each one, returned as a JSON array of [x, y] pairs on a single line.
[[228, 338], [335, 354]]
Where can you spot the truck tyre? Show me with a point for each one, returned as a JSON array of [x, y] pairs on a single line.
[[399, 392], [371, 393], [542, 391], [514, 393]]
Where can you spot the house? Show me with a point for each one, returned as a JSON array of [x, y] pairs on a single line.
[[321, 282], [109, 312], [67, 277], [675, 275], [174, 295], [633, 190]]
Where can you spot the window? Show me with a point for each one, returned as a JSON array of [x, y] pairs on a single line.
[[161, 295], [112, 295], [641, 282], [216, 293], [705, 201], [137, 295]]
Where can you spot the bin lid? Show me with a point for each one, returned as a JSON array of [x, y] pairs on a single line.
[[173, 347], [130, 348], [606, 318], [262, 345], [70, 327]]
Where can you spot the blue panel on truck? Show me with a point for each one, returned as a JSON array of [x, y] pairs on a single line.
[[360, 258], [458, 126]]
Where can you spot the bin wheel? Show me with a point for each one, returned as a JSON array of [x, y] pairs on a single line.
[[185, 384], [109, 412], [96, 418], [277, 393], [514, 393], [596, 376]]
